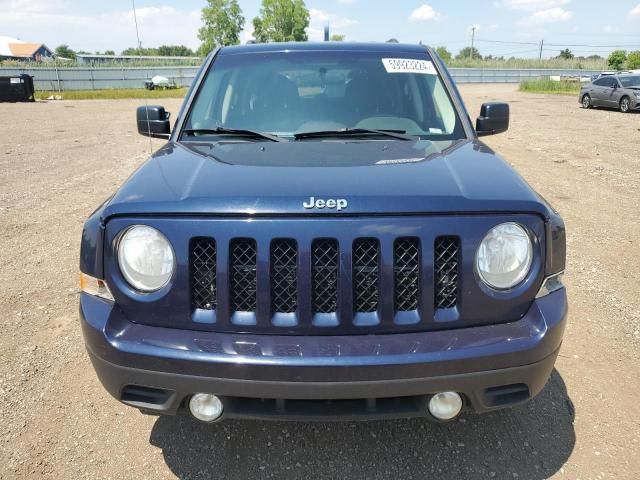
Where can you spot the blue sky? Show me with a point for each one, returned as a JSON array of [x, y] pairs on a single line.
[[91, 25]]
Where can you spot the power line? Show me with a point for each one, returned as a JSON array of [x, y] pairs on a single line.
[[507, 54], [505, 42], [628, 45]]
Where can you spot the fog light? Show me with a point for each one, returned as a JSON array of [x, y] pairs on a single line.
[[445, 405], [205, 407]]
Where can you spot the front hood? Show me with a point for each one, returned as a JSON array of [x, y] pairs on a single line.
[[374, 177]]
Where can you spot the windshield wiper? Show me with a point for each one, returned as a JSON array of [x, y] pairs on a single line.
[[233, 131], [355, 132]]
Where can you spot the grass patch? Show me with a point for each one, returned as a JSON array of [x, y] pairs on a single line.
[[544, 85], [114, 94]]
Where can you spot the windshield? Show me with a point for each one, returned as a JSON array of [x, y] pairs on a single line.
[[288, 93], [632, 81]]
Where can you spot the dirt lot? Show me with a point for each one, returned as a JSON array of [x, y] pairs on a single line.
[[59, 160]]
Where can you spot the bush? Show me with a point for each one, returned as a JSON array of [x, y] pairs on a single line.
[[545, 85]]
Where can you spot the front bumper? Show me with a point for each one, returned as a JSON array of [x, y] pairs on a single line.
[[356, 376]]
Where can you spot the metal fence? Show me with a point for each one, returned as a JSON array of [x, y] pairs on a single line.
[[61, 79], [513, 75]]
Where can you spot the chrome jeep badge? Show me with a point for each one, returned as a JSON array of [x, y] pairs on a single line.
[[331, 203]]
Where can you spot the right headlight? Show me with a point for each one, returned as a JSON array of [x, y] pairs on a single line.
[[146, 258], [505, 256]]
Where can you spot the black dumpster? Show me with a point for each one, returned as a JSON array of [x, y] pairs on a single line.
[[18, 88]]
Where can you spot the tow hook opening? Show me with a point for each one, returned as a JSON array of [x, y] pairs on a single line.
[[506, 395], [146, 398]]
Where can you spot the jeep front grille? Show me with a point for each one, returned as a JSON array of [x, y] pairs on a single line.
[[323, 283]]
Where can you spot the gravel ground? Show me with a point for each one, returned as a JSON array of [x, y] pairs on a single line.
[[59, 160]]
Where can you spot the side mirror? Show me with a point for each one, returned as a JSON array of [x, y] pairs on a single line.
[[153, 121], [494, 118]]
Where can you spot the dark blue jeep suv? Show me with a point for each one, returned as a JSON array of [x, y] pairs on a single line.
[[323, 236]]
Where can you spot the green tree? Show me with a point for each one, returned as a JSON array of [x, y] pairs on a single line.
[[633, 60], [445, 54], [281, 21], [65, 52], [174, 51], [467, 52], [616, 59], [144, 52], [336, 37], [566, 54], [223, 22]]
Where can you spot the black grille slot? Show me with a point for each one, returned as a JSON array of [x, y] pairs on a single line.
[[284, 273], [243, 275], [203, 273], [325, 275], [406, 270], [446, 271], [366, 253]]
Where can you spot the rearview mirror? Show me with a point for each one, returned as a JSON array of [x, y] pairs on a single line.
[[153, 121], [494, 118]]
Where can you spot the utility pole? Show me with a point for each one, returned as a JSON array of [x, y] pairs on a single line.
[[540, 53], [473, 38]]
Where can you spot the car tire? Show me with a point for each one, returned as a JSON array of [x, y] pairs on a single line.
[[625, 104], [586, 101]]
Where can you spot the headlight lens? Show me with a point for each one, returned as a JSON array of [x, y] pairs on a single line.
[[146, 258], [505, 256]]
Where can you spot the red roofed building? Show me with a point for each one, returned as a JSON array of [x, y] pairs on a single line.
[[14, 49]]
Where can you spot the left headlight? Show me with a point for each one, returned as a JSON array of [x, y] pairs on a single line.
[[146, 258], [505, 256]]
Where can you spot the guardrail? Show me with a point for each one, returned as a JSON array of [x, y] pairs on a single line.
[[61, 79]]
